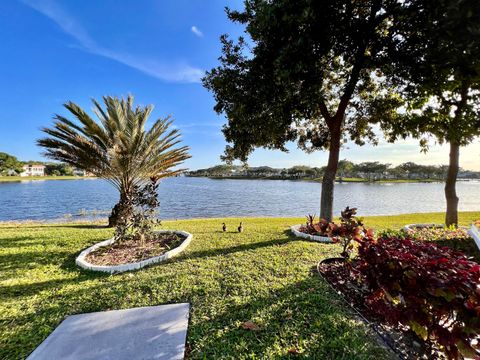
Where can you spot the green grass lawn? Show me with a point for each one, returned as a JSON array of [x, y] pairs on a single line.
[[30, 178], [263, 275]]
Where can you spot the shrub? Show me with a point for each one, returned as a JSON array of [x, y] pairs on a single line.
[[313, 228], [138, 222], [433, 290], [454, 238], [350, 228]]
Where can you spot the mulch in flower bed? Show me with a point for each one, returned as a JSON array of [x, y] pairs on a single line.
[[404, 342], [133, 250]]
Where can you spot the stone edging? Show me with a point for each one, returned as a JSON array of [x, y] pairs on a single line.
[[475, 234], [83, 263], [295, 229], [413, 226]]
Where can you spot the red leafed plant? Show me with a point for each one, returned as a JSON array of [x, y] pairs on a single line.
[[435, 291], [313, 228], [350, 228]]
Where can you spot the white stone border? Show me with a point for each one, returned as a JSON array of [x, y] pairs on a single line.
[[413, 226], [474, 232], [295, 229], [83, 263]]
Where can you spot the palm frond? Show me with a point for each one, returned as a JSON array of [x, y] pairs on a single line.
[[116, 146]]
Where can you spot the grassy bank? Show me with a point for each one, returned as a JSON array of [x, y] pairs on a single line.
[[262, 275], [34, 178]]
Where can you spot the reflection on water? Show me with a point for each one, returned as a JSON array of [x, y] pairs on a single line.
[[201, 197]]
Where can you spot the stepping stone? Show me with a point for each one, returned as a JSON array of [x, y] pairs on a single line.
[[155, 332]]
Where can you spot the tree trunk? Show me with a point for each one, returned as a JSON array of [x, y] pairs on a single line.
[[328, 182], [113, 218], [451, 217], [122, 209]]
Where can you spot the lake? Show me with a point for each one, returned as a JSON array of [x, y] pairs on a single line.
[[185, 197]]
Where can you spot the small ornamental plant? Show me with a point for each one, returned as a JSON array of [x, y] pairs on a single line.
[[350, 229], [435, 291], [315, 228], [138, 223]]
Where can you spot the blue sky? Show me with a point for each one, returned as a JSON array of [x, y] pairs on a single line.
[[53, 51]]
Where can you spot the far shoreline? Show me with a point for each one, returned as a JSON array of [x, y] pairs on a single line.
[[338, 180], [7, 179], [14, 179]]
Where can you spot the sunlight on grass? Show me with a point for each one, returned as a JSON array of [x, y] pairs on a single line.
[[263, 275]]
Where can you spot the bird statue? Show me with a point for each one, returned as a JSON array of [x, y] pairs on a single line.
[[240, 227], [224, 227]]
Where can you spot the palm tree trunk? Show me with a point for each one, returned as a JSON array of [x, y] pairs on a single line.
[[121, 210], [328, 182], [451, 216]]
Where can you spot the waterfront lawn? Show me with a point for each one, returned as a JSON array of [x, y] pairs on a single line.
[[262, 275]]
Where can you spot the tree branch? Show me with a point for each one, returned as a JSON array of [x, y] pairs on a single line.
[[358, 64]]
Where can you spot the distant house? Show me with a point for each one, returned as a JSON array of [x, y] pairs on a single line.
[[33, 170]]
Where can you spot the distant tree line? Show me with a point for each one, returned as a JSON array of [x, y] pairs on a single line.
[[11, 166], [347, 170]]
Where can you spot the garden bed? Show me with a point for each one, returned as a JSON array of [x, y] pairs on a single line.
[[460, 239], [404, 342], [113, 257], [297, 231]]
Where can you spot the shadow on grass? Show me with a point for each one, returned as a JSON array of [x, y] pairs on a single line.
[[31, 289], [230, 250], [19, 242], [305, 316]]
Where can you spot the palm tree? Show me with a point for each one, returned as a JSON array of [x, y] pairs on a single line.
[[116, 147]]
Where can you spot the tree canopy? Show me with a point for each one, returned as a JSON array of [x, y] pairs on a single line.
[[9, 163], [436, 70], [306, 73]]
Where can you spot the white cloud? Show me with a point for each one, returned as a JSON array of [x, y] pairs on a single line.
[[174, 72], [196, 31]]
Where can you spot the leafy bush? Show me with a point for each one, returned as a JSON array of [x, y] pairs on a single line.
[[140, 217], [433, 290], [311, 227], [454, 238], [350, 228]]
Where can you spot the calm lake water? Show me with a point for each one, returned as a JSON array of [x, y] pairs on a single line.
[[201, 197]]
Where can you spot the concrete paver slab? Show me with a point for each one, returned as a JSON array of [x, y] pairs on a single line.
[[155, 332]]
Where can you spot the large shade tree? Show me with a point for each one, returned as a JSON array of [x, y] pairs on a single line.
[[117, 146], [436, 68], [307, 72]]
